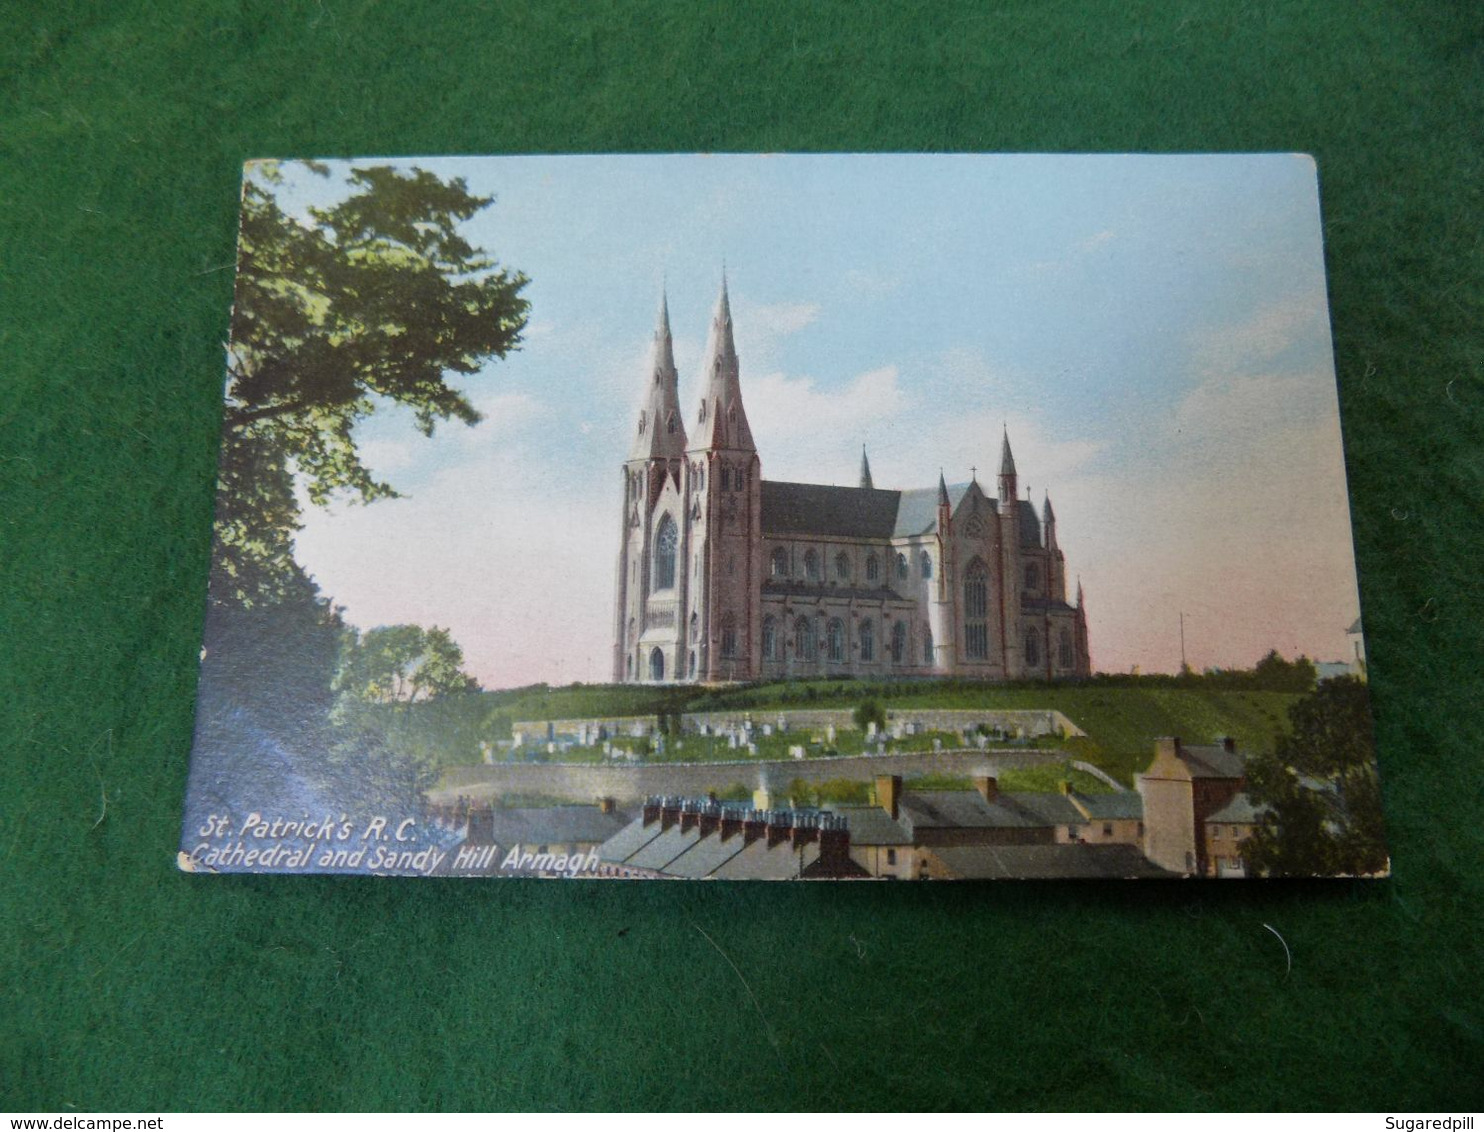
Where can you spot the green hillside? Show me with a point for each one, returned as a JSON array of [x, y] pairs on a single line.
[[1121, 721]]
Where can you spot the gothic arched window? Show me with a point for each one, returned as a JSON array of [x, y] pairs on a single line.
[[1068, 655], [728, 637], [641, 424], [811, 565], [842, 566], [666, 540], [656, 665], [927, 645], [670, 423], [695, 627], [805, 645], [976, 610], [770, 639], [1032, 647], [873, 569], [1032, 576], [868, 640], [726, 479], [927, 564], [780, 563], [835, 640], [703, 410], [898, 642], [902, 567], [693, 663]]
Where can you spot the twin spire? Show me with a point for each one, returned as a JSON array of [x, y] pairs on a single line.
[[721, 420]]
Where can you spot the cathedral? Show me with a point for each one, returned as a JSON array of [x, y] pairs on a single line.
[[725, 576]]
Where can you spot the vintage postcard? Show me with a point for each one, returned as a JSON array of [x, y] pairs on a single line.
[[783, 518]]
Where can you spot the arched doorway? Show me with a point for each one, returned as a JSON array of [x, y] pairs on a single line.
[[656, 664]]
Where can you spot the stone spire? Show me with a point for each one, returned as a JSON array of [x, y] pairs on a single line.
[[721, 421], [1008, 492], [1048, 522], [865, 469], [942, 490], [660, 431]]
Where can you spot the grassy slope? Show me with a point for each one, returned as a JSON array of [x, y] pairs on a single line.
[[1121, 722]]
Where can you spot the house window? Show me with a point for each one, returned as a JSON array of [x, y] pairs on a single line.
[[891, 856], [811, 565], [842, 566], [806, 647], [902, 569], [770, 638], [780, 563], [868, 640], [873, 569], [898, 642], [1107, 829], [835, 640], [1032, 647], [664, 554], [976, 610], [927, 565], [728, 637]]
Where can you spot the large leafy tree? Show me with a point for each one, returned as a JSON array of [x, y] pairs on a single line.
[[375, 299], [1320, 790], [401, 664]]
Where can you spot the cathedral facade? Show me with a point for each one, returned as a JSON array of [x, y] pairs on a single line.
[[725, 576]]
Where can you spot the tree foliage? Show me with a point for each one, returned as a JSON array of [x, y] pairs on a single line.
[[377, 298], [1320, 790], [401, 664]]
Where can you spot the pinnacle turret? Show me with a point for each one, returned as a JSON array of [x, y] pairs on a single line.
[[1008, 493], [865, 469], [942, 490], [721, 421], [660, 431]]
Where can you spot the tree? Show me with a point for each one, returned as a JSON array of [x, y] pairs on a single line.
[[375, 299], [401, 664], [1319, 789], [867, 712], [1275, 674]]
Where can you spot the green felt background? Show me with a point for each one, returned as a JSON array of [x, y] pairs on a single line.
[[126, 985]]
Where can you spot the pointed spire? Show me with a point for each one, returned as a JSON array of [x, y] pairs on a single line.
[[1079, 591], [942, 490], [660, 430], [1007, 459], [1048, 516], [1009, 497], [865, 469], [721, 421]]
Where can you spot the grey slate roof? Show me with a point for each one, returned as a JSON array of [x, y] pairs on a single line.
[[758, 862], [706, 856], [869, 513], [818, 509], [1239, 810], [871, 825], [557, 825], [967, 809], [1214, 762], [664, 848], [1030, 862], [1124, 805], [628, 841]]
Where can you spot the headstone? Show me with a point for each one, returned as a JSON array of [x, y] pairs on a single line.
[[752, 748], [829, 733], [871, 729], [767, 729], [937, 744]]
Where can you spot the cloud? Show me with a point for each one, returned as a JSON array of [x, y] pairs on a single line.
[[1258, 339]]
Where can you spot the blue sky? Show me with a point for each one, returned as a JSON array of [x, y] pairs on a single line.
[[1153, 330]]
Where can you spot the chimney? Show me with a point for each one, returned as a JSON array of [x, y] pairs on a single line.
[[605, 805], [733, 819], [1230, 744], [834, 844], [690, 815], [710, 818], [669, 812], [651, 809], [805, 829], [754, 826], [481, 826], [988, 786], [1169, 746], [889, 793], [780, 826]]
